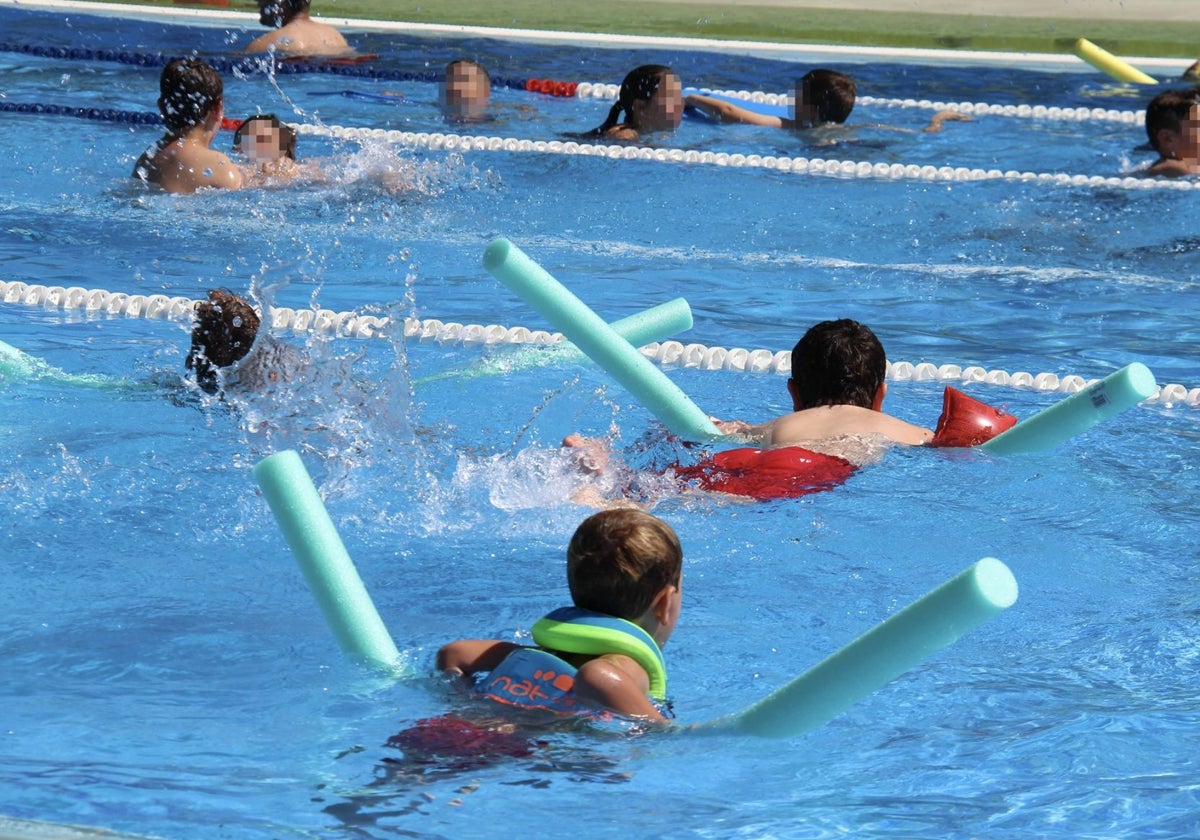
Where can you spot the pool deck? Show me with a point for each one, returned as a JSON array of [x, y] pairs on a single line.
[[1128, 28]]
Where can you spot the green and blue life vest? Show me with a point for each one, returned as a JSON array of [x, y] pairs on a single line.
[[535, 678]]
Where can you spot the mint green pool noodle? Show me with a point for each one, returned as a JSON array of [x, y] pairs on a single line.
[[654, 324], [588, 331], [883, 653], [18, 366], [327, 566], [1077, 413]]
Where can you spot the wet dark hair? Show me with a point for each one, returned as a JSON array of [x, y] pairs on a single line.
[[831, 93], [639, 85], [1168, 110], [837, 363], [287, 136], [189, 90], [226, 325], [281, 11], [619, 560]]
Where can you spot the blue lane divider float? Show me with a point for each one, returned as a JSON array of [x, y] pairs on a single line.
[[895, 645], [242, 64], [323, 559], [100, 114], [657, 323], [1077, 413], [588, 331]]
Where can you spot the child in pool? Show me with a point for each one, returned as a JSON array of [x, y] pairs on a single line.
[[837, 425], [466, 91], [191, 103], [296, 33], [822, 98], [270, 146], [651, 98], [1173, 126], [223, 336], [624, 571], [837, 388]]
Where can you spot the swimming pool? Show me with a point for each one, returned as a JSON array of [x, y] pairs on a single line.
[[167, 673]]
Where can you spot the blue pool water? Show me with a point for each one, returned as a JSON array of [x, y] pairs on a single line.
[[166, 671]]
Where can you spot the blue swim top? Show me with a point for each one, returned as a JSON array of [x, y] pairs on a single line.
[[534, 678]]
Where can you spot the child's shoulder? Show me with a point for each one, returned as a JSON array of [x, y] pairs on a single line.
[[1171, 168]]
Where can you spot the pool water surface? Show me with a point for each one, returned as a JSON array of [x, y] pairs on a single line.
[[167, 671]]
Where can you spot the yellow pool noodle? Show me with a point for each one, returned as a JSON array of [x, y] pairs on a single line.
[[1103, 60]]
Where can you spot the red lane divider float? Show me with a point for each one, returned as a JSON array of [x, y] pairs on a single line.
[[550, 87]]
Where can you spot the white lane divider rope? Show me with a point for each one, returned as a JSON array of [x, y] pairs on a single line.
[[601, 91], [846, 169], [666, 353]]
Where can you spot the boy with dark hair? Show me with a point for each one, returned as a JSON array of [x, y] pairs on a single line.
[[1173, 126], [225, 329], [624, 571], [836, 425], [837, 388], [228, 350], [822, 97], [191, 103], [296, 33]]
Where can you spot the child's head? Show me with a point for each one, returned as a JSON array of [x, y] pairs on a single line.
[[276, 13], [651, 97], [837, 363], [823, 96], [1173, 123], [189, 91], [466, 91], [264, 139], [224, 332], [621, 562]]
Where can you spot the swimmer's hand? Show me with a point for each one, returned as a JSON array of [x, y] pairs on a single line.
[[731, 427], [944, 116], [739, 428], [742, 431]]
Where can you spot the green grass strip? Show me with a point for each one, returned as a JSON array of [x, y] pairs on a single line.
[[1176, 39]]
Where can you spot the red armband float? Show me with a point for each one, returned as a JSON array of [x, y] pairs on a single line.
[[765, 474], [965, 421], [230, 124]]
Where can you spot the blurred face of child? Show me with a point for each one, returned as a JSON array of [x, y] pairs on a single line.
[[804, 111], [262, 143], [1183, 144], [663, 111], [465, 94]]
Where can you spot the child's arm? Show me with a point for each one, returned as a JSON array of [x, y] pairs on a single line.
[[469, 656], [943, 116], [618, 683], [901, 431], [934, 126], [727, 112]]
